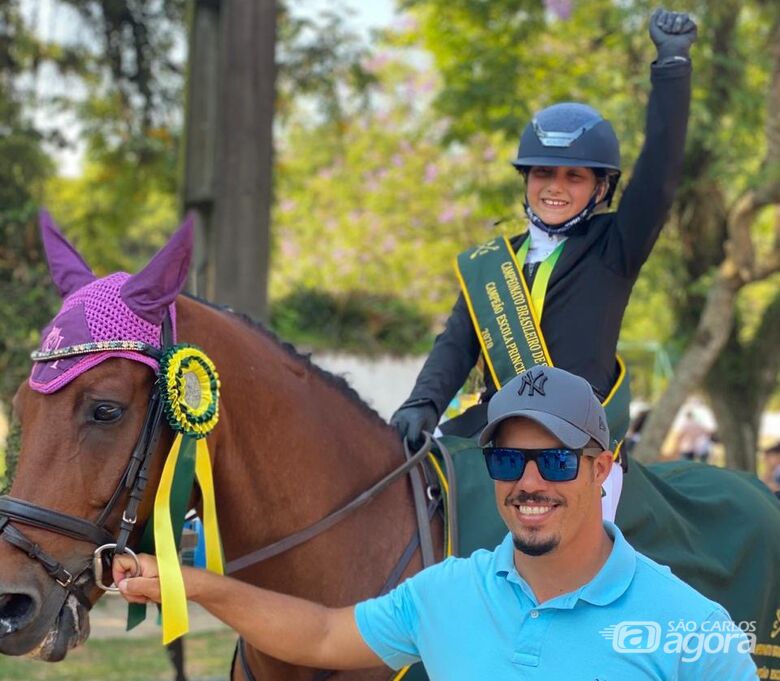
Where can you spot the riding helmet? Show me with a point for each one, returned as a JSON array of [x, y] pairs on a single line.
[[570, 134]]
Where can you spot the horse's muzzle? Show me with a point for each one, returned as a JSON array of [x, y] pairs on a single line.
[[16, 611], [43, 629]]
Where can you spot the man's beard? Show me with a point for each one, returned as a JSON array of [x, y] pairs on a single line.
[[535, 545], [538, 547]]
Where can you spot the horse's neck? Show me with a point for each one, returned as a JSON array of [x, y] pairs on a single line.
[[290, 448]]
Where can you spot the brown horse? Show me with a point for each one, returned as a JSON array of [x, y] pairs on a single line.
[[293, 443]]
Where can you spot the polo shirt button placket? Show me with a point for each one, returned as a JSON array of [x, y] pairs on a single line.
[[532, 636]]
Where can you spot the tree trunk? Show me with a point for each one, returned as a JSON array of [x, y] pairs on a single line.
[[740, 384], [738, 427], [244, 155], [199, 190], [711, 335]]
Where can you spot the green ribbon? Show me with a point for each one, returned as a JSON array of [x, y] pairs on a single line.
[[183, 479]]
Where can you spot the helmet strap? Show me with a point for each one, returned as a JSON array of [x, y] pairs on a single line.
[[563, 228]]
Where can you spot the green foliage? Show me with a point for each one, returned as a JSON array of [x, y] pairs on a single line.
[[377, 204], [356, 321], [125, 202], [10, 456], [118, 213], [26, 301], [321, 61]]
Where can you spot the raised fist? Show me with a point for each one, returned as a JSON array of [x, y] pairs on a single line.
[[673, 33]]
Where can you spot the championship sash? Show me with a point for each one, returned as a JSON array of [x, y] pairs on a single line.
[[507, 320]]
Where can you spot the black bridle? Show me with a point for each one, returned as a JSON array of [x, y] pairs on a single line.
[[133, 481]]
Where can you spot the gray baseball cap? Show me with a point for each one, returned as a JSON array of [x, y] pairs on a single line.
[[561, 402]]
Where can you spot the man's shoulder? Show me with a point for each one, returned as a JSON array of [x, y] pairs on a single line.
[[457, 573], [658, 582], [481, 562]]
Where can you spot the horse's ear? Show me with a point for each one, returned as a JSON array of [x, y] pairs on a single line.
[[155, 287], [68, 269]]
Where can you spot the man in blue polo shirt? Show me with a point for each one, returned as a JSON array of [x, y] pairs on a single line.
[[562, 597]]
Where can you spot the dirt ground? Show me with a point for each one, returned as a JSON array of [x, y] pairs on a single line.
[[109, 617]]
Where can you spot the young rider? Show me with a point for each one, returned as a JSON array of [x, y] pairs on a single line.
[[579, 264]]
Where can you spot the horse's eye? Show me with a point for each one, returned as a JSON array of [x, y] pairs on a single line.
[[107, 413]]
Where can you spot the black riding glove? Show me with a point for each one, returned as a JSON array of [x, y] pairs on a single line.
[[673, 33], [411, 421]]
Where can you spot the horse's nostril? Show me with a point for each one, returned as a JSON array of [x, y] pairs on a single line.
[[15, 612]]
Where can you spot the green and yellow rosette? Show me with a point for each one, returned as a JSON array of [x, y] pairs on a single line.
[[189, 389]]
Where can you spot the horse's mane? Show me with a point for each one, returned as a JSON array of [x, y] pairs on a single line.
[[338, 382]]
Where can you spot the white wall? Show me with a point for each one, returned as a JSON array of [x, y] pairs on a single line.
[[382, 382]]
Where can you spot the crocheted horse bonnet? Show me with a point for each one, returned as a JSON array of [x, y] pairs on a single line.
[[119, 315]]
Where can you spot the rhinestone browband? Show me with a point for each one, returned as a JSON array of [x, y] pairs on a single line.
[[98, 346]]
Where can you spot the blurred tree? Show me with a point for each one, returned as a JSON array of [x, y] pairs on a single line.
[[374, 203], [26, 299], [128, 60], [230, 121], [119, 75]]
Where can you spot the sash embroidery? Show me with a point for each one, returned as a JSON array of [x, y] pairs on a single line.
[[507, 318], [501, 309]]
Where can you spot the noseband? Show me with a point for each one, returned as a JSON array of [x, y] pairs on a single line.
[[133, 480]]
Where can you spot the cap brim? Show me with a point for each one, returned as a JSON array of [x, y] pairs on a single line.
[[569, 435]]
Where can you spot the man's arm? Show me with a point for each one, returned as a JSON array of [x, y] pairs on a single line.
[[285, 627]]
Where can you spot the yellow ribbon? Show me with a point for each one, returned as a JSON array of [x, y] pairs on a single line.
[[175, 619], [214, 561]]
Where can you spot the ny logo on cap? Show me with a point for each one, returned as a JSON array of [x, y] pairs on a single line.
[[535, 384]]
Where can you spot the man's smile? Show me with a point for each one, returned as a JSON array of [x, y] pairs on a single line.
[[530, 510]]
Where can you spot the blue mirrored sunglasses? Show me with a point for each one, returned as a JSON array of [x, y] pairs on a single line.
[[559, 464]]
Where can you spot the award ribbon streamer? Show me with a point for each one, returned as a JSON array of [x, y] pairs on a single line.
[[190, 389], [175, 620], [214, 561]]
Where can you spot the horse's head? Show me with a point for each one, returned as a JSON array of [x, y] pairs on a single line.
[[86, 427]]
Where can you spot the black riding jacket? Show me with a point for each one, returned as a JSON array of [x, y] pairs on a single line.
[[591, 283]]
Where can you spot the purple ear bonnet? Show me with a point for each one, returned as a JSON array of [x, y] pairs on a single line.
[[94, 313], [120, 315]]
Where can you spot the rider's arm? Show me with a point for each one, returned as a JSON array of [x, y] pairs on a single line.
[[291, 629], [454, 354], [645, 203]]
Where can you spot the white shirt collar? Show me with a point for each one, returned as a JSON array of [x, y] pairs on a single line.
[[542, 243]]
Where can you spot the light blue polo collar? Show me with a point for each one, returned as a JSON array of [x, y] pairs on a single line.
[[609, 584]]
